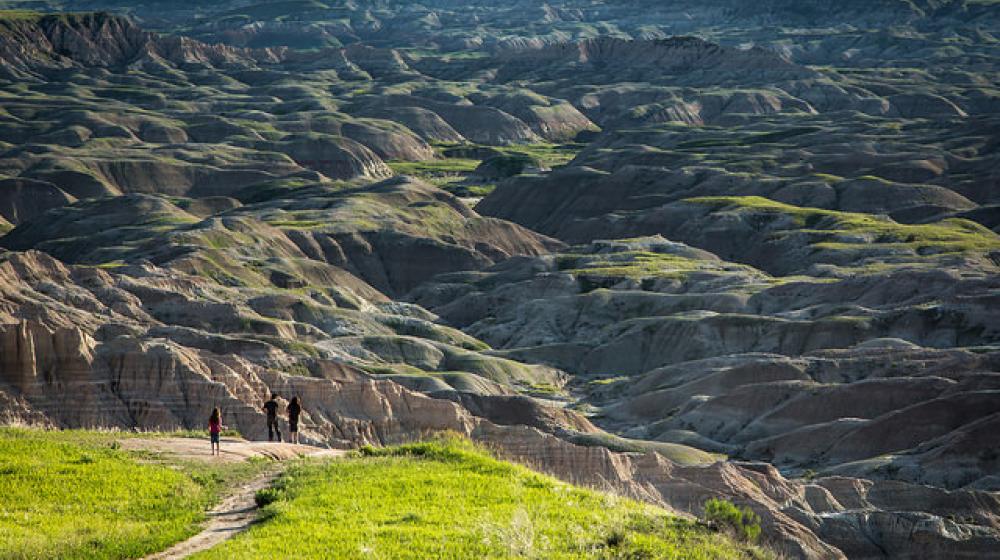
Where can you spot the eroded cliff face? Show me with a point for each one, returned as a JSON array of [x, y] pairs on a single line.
[[57, 42]]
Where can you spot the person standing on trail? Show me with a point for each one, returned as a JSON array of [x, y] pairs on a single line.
[[215, 429], [271, 408], [294, 409]]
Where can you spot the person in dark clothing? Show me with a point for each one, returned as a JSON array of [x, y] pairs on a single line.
[[294, 409], [271, 408]]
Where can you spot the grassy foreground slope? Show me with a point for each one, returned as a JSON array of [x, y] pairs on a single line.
[[448, 499], [74, 494]]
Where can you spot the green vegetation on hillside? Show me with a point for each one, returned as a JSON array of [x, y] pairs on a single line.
[[836, 230], [758, 138], [742, 523], [15, 15], [73, 494], [434, 167], [448, 499], [449, 174], [549, 155], [680, 454], [452, 173], [629, 264]]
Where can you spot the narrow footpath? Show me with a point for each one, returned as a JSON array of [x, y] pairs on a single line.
[[238, 509]]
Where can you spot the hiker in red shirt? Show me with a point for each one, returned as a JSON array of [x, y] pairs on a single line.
[[214, 429]]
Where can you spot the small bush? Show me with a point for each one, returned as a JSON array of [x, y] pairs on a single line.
[[266, 497], [615, 539], [83, 459], [411, 518], [741, 523]]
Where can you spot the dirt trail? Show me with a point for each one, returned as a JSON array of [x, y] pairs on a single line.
[[233, 450], [238, 510]]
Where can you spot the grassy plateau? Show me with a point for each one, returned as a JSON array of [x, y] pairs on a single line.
[[449, 499]]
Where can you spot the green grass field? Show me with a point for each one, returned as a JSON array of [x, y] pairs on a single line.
[[74, 494], [448, 499]]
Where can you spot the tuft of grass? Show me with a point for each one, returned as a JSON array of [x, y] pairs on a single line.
[[828, 178], [447, 498], [266, 497], [741, 523], [76, 494]]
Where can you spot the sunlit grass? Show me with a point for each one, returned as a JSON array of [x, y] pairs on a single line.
[[630, 264], [549, 155], [434, 167], [835, 230], [453, 173], [448, 499], [75, 494]]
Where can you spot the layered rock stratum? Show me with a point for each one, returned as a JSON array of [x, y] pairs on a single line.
[[673, 250]]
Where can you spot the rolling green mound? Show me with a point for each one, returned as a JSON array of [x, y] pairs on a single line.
[[448, 499]]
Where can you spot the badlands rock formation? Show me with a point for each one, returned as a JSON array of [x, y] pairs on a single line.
[[676, 250], [58, 367]]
